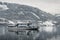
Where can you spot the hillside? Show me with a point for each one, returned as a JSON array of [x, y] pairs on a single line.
[[23, 12]]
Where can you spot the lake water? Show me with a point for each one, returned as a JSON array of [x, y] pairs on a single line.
[[44, 33]]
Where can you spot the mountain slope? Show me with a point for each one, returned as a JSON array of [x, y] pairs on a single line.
[[23, 12]]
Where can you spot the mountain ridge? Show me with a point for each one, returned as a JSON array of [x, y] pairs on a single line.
[[23, 12]]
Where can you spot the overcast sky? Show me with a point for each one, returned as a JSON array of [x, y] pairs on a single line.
[[51, 6]]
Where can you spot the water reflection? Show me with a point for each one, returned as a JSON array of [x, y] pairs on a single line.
[[42, 34]]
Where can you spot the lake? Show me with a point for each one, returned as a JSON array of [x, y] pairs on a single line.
[[44, 33]]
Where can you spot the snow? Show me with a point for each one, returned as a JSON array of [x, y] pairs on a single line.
[[42, 15], [36, 15], [20, 13], [3, 7], [49, 26], [48, 23], [11, 22]]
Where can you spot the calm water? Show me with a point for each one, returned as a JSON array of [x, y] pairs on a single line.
[[44, 33]]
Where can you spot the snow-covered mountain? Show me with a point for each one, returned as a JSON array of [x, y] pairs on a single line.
[[23, 12]]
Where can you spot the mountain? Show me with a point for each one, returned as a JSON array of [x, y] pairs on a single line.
[[24, 12], [57, 17]]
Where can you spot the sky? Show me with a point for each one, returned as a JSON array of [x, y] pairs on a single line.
[[49, 6]]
